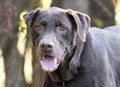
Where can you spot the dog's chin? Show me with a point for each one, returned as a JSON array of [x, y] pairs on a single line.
[[51, 63]]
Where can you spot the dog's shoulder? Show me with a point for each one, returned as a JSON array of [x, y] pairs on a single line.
[[106, 33], [108, 37], [113, 29], [105, 39]]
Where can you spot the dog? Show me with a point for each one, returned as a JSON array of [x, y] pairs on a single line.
[[70, 52]]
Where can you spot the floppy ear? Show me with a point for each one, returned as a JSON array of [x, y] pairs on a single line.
[[82, 22], [30, 16]]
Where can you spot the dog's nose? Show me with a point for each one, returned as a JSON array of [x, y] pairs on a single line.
[[46, 45]]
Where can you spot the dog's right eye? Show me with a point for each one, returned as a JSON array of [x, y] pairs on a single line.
[[44, 23]]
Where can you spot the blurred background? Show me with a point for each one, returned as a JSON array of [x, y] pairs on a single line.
[[18, 65]]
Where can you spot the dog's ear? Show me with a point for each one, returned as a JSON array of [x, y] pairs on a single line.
[[30, 16], [81, 21]]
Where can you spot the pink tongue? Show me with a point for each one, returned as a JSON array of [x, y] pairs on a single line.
[[49, 64]]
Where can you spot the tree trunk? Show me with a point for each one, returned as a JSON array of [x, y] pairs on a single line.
[[78, 5], [103, 11], [58, 3], [14, 62]]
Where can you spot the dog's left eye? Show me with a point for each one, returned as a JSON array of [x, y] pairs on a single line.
[[61, 28]]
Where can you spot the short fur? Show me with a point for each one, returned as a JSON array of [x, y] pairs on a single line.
[[92, 56]]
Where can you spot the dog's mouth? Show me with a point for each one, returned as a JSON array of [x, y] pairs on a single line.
[[51, 63]]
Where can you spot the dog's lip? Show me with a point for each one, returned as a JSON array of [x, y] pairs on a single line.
[[51, 63], [46, 56]]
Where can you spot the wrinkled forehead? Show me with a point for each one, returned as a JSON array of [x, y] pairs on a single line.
[[53, 15]]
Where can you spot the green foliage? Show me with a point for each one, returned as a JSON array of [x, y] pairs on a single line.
[[0, 52], [29, 44], [98, 22]]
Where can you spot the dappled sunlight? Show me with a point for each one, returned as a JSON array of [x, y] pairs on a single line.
[[2, 71], [21, 48], [46, 3], [28, 66], [22, 34], [117, 13]]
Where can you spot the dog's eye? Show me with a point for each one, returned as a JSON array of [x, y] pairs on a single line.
[[44, 23], [61, 28], [39, 28]]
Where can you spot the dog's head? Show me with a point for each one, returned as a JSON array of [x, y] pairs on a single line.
[[55, 33]]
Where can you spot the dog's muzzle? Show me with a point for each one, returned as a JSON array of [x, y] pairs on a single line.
[[48, 60]]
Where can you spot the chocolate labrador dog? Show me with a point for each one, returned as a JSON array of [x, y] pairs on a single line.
[[70, 52]]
